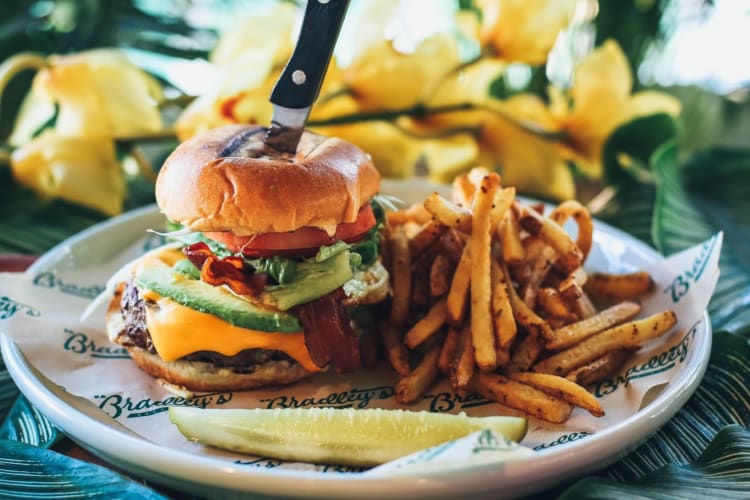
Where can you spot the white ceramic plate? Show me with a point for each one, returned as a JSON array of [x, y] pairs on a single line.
[[193, 473]]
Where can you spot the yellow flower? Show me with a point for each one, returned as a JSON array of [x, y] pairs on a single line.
[[527, 160], [516, 136], [602, 101], [99, 93], [394, 153], [385, 79], [523, 30], [467, 85], [263, 38], [81, 170]]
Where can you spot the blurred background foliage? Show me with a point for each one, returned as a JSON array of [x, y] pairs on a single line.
[[165, 37]]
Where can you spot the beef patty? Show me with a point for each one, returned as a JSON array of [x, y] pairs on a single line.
[[135, 333]]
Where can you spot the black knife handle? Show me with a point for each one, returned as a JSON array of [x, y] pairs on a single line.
[[299, 83]]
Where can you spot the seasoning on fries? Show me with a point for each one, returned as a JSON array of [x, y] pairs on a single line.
[[493, 294]]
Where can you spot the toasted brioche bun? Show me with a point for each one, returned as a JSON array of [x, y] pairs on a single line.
[[200, 375], [223, 180]]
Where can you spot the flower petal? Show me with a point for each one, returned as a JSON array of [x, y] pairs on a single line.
[[100, 94], [394, 153], [470, 84], [524, 30], [382, 78], [266, 36], [534, 165], [601, 102], [649, 102], [77, 169], [449, 156]]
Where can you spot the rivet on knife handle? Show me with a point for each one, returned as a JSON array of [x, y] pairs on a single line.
[[299, 83]]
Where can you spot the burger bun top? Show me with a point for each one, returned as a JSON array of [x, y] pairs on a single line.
[[226, 180]]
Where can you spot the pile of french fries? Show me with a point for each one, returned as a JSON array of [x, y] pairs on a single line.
[[492, 293]]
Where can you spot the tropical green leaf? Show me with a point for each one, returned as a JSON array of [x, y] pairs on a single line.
[[721, 400], [627, 152], [24, 423], [708, 194], [30, 472], [722, 471], [8, 391], [631, 209]]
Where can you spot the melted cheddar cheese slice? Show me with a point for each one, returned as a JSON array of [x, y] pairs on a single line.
[[177, 331]]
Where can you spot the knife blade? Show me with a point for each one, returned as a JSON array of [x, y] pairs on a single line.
[[299, 84]]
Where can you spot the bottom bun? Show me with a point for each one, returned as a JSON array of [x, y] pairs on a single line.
[[201, 376], [206, 377]]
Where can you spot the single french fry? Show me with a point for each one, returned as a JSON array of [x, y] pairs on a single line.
[[618, 287], [458, 217], [573, 333], [480, 242], [581, 215], [463, 191], [411, 229], [465, 365], [538, 272], [522, 397], [502, 314], [401, 276], [447, 213], [440, 276], [415, 213], [561, 388], [449, 349], [395, 349], [527, 352], [627, 335], [509, 233], [477, 174], [600, 368], [413, 386], [503, 356], [451, 245], [570, 256], [458, 293], [571, 287], [426, 327], [503, 200], [583, 306], [572, 292], [524, 315], [430, 232], [552, 305]]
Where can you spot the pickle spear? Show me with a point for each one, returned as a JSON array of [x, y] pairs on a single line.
[[333, 436]]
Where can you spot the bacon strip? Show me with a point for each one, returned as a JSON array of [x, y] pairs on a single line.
[[329, 335], [230, 271], [197, 253]]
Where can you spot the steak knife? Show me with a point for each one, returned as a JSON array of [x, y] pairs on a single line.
[[299, 83]]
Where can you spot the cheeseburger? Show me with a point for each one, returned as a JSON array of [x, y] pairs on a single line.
[[272, 254]]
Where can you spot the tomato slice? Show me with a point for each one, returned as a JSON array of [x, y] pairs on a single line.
[[303, 241]]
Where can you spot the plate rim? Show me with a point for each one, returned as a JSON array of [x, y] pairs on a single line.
[[175, 467]]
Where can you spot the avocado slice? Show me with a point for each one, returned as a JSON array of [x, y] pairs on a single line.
[[214, 300], [312, 280]]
